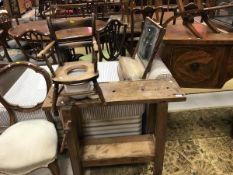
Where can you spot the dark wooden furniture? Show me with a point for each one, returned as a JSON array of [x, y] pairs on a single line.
[[41, 26], [39, 50], [194, 62], [137, 19], [120, 150], [8, 54], [24, 127], [194, 9], [17, 7], [111, 38], [102, 9], [83, 30], [223, 18], [82, 9], [5, 25]]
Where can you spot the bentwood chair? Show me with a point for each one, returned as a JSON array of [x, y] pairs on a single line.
[[8, 54], [111, 40], [31, 143]]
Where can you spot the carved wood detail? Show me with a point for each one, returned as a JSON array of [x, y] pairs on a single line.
[[197, 66], [229, 67]]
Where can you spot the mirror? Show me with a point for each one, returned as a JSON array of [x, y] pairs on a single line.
[[149, 41]]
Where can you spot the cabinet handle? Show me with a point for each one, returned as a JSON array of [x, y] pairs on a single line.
[[194, 66]]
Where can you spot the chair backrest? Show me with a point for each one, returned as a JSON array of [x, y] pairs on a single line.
[[139, 14], [37, 43], [149, 43], [68, 23], [72, 41], [111, 37], [25, 93]]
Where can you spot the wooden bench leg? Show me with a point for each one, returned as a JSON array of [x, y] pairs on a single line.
[[72, 139], [160, 136]]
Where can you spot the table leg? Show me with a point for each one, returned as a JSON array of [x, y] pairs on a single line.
[[150, 118], [72, 140], [55, 96], [160, 136]]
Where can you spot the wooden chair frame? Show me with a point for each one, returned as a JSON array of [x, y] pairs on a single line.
[[5, 25], [113, 37], [37, 69], [189, 11], [53, 167], [4, 46], [145, 11], [36, 39], [70, 43]]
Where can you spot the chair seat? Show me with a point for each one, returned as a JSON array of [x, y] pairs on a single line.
[[15, 54], [75, 72], [26, 146]]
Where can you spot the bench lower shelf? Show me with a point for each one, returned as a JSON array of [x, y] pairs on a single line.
[[118, 150]]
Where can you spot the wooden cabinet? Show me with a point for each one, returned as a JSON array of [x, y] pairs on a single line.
[[200, 63]]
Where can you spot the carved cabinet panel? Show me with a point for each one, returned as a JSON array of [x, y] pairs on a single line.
[[197, 66], [229, 67]]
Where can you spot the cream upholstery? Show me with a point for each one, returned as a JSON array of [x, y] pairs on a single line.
[[158, 70], [133, 69], [26, 146]]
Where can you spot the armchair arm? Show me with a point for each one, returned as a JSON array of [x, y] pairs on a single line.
[[42, 53]]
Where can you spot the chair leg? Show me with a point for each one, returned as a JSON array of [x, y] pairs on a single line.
[[161, 18], [54, 168], [55, 96], [232, 129], [175, 13]]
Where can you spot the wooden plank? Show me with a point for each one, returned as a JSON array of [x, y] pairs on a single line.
[[119, 139], [124, 150], [143, 91]]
